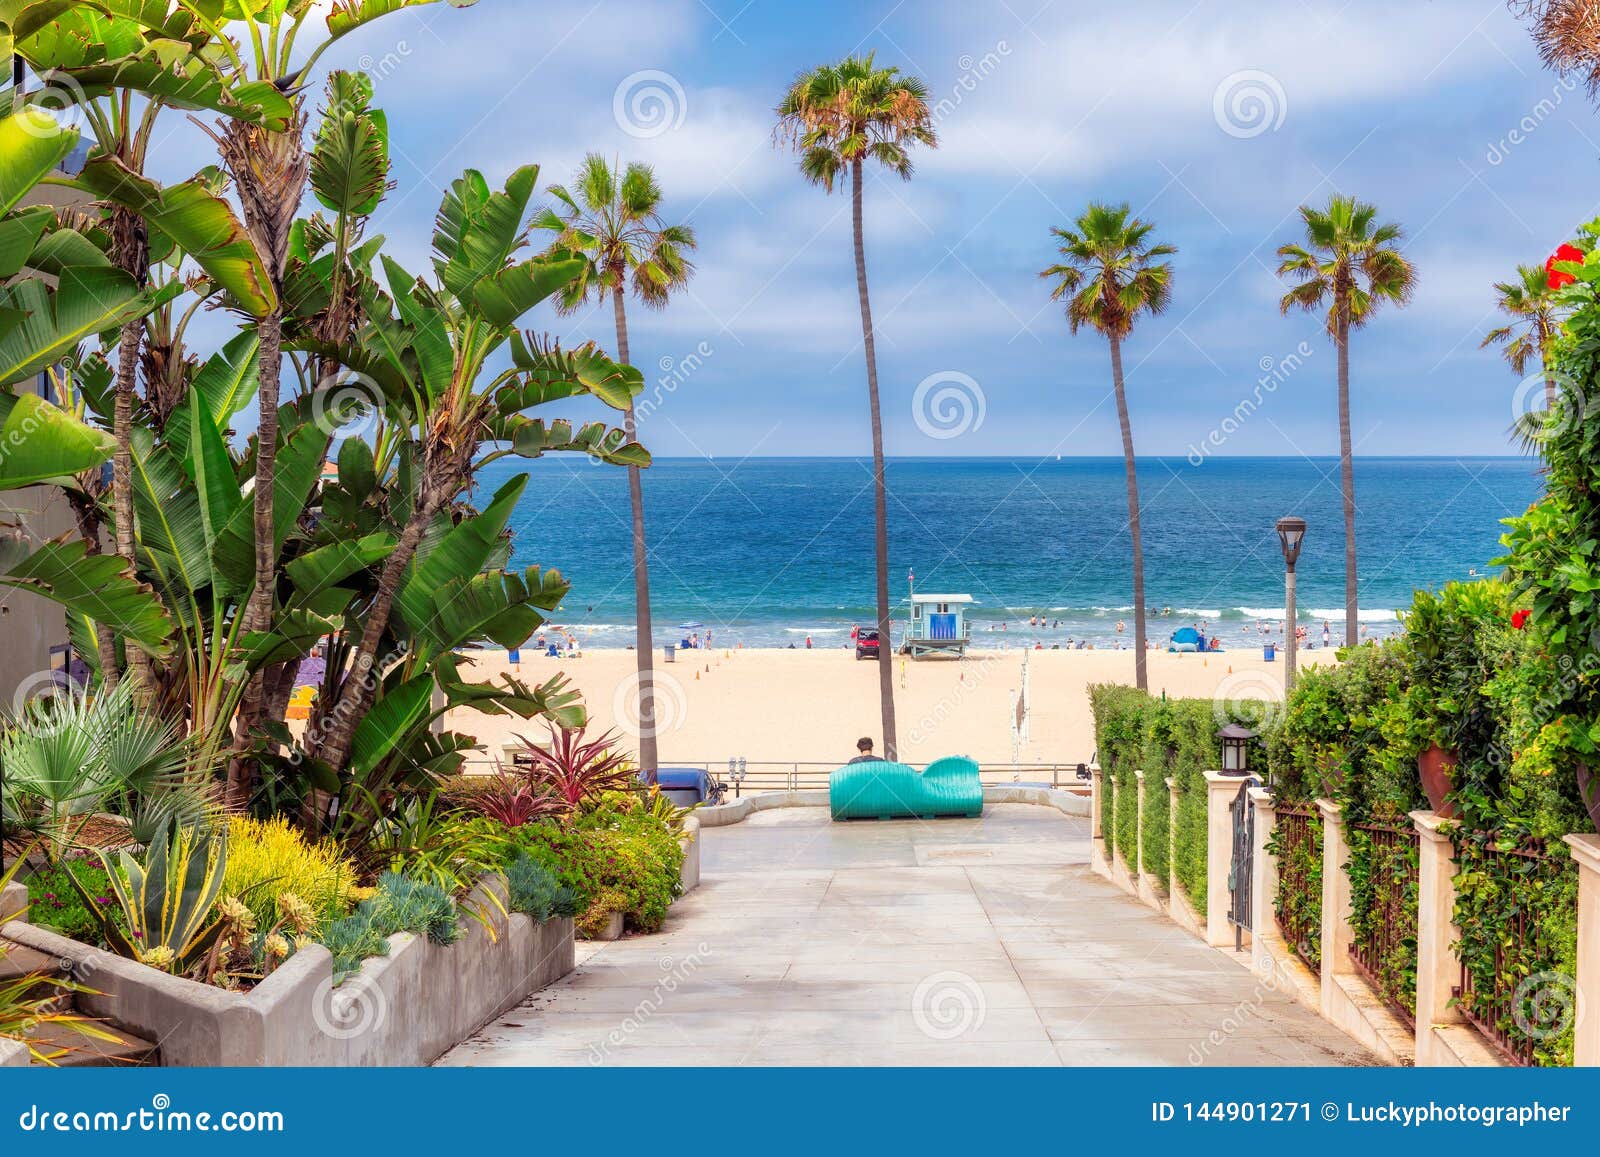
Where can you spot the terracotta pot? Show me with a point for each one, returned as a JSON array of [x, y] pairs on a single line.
[[1437, 768], [1589, 790]]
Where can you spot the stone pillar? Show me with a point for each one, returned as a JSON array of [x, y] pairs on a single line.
[[1586, 1029], [1220, 793], [1437, 969], [1096, 786], [1173, 885], [1336, 903], [1138, 805], [1097, 844], [1265, 935]]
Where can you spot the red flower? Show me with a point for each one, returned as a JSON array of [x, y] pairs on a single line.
[[1554, 277], [1519, 619]]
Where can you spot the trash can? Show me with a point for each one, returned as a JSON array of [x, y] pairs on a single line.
[[514, 655], [1270, 652], [672, 653]]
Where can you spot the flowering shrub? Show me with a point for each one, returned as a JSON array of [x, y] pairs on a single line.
[[627, 864], [55, 904]]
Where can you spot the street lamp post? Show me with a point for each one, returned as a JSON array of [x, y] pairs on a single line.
[[1291, 532]]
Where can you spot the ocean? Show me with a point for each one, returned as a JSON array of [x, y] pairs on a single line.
[[770, 551]]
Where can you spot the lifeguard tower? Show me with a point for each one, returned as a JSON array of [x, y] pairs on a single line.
[[938, 625]]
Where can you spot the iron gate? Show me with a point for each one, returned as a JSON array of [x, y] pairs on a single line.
[[1242, 867]]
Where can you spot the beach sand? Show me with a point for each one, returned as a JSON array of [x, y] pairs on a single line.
[[771, 706]]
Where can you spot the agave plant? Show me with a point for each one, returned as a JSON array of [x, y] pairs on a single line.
[[576, 770], [170, 900]]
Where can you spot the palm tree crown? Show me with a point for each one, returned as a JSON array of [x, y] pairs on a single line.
[[1110, 274], [614, 220], [1348, 262], [1531, 304], [837, 115]]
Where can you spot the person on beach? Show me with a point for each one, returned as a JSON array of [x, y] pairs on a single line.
[[808, 642], [1121, 626], [864, 746], [1327, 634]]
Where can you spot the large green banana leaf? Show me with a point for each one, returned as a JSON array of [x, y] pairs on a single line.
[[395, 713], [98, 586], [459, 554], [478, 229], [201, 223], [32, 144], [87, 301], [350, 163], [505, 608], [40, 442]]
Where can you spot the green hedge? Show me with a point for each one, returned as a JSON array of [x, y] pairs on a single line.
[[1119, 740], [1166, 738]]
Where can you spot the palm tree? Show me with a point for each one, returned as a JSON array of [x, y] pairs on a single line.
[[1536, 320], [1349, 263], [839, 116], [614, 222], [1565, 33], [1110, 275]]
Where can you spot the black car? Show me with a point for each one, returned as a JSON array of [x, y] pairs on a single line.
[[867, 644]]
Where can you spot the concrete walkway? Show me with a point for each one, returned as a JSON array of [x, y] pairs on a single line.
[[965, 942]]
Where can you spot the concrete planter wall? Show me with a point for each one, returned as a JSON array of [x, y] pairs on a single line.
[[407, 1008]]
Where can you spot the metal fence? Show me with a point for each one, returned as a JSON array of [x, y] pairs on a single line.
[[1385, 952], [1522, 952], [1298, 904], [751, 776]]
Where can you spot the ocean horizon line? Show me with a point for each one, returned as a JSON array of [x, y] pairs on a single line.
[[1050, 457]]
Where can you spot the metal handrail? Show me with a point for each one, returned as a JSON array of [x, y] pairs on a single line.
[[804, 775]]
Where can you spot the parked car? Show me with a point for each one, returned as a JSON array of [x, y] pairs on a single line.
[[867, 643]]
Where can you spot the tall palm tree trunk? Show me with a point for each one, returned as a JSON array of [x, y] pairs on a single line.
[[131, 249], [880, 484], [336, 726], [1141, 676], [644, 645], [1347, 478]]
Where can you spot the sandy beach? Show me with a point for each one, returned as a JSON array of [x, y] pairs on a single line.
[[771, 706]]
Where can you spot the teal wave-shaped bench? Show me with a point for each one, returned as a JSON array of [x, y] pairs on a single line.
[[883, 790]]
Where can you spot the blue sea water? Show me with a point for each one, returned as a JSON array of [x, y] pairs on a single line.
[[767, 551]]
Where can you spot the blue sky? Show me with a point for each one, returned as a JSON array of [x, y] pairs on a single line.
[[1438, 112]]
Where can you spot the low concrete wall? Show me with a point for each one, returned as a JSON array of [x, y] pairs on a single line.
[[406, 1008], [738, 810], [689, 875]]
